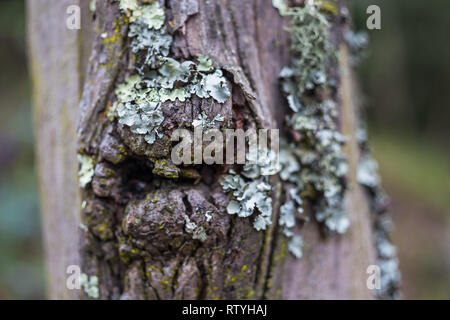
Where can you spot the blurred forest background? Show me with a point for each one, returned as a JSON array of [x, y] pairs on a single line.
[[405, 80]]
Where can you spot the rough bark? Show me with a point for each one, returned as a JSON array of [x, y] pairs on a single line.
[[74, 76]]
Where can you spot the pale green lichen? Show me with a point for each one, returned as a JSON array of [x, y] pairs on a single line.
[[287, 217], [137, 111], [162, 72], [90, 285], [160, 78], [128, 5], [202, 120], [251, 190], [318, 159], [152, 14], [86, 171], [155, 44], [197, 232], [357, 43], [310, 49], [367, 175], [295, 246], [289, 211], [280, 5], [174, 71], [204, 63], [212, 85], [92, 5]]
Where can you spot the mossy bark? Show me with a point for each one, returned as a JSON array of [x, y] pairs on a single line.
[[135, 240]]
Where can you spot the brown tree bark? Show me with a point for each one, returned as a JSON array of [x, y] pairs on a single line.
[[74, 76]]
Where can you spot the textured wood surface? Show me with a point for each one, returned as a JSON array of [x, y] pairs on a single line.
[[247, 39]]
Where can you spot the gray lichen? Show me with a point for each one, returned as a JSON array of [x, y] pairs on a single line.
[[310, 49], [160, 78], [251, 190], [202, 120], [280, 5], [295, 246], [86, 171], [249, 195], [152, 14], [386, 252], [137, 109], [89, 285], [197, 232], [367, 173], [204, 63], [357, 43], [317, 159]]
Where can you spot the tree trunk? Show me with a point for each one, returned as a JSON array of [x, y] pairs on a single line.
[[128, 225]]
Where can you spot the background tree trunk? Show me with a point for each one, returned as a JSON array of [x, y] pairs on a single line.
[[74, 75]]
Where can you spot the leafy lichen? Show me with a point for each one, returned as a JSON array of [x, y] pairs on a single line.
[[251, 190], [204, 63], [152, 14], [387, 260], [367, 173], [136, 109], [312, 165], [86, 171], [202, 120], [310, 49], [295, 246], [92, 5], [159, 77], [317, 160], [89, 285], [280, 5], [197, 232]]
